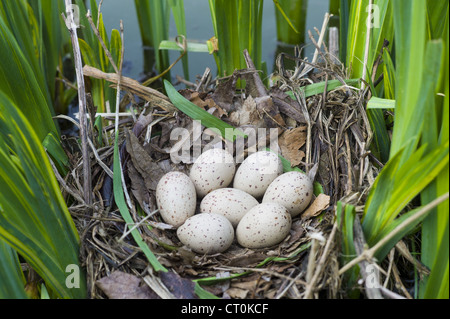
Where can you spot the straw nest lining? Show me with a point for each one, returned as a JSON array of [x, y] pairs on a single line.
[[330, 129]]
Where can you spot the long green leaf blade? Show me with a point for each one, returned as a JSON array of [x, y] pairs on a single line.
[[121, 204], [34, 218], [12, 280], [379, 103], [196, 113]]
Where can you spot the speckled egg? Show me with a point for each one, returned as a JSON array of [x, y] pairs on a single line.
[[257, 171], [212, 170], [293, 190], [263, 226], [176, 198], [206, 233], [229, 202]]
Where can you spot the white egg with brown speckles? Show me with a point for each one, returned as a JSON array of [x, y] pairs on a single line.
[[257, 171], [212, 170], [265, 225], [206, 233], [229, 202], [176, 198], [293, 190]]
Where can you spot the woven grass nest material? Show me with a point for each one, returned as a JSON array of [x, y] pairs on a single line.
[[329, 129]]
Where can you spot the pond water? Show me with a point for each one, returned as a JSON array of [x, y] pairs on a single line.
[[199, 28]]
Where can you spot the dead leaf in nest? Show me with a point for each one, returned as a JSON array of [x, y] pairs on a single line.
[[297, 231], [138, 188], [320, 204], [203, 101], [237, 293], [247, 114], [194, 97], [240, 257], [141, 124], [181, 288], [120, 285], [225, 92], [246, 284], [270, 111], [287, 106], [290, 143], [144, 164]]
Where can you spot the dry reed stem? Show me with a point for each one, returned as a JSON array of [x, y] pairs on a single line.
[[330, 243], [72, 27]]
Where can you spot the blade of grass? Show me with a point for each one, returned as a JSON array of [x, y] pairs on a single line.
[[344, 17], [397, 185], [119, 182], [119, 198], [380, 29], [388, 75], [407, 223], [153, 17], [381, 142], [19, 72], [437, 12], [409, 22], [12, 279], [198, 114], [370, 23], [53, 148], [318, 88], [435, 229], [237, 26], [291, 21], [177, 7], [191, 46], [34, 219], [379, 103], [345, 214]]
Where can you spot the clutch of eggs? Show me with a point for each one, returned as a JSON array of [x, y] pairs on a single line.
[[226, 211]]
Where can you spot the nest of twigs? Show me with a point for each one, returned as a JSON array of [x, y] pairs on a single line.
[[327, 132]]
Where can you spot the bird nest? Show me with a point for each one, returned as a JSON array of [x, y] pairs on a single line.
[[321, 127]]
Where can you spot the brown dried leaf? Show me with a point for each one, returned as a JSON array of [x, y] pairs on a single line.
[[290, 143], [120, 285], [181, 288], [138, 187], [244, 258], [287, 106], [197, 100], [246, 284], [320, 204], [144, 164], [237, 293], [247, 114], [270, 112], [141, 124], [203, 101], [225, 92], [297, 231]]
